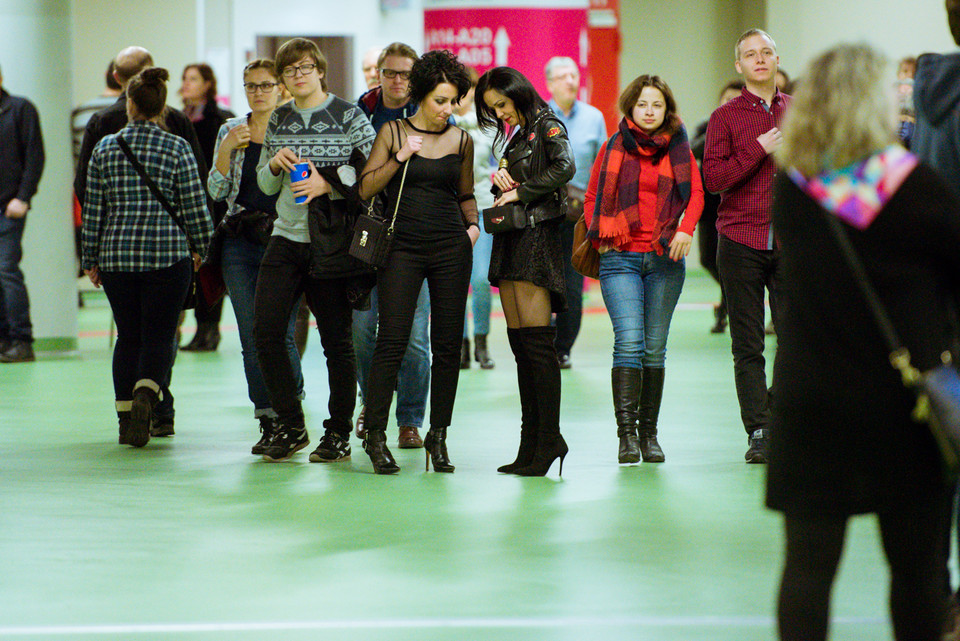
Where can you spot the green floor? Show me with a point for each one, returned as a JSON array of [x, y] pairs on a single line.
[[193, 538]]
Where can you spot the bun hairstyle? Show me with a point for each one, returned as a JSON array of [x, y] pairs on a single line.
[[148, 91]]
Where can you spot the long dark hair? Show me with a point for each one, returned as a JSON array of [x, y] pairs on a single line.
[[515, 86]]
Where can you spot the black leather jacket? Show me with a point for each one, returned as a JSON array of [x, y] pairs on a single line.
[[539, 157]]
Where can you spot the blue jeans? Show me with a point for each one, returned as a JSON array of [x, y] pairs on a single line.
[[14, 304], [413, 381], [480, 285], [241, 266], [640, 291]]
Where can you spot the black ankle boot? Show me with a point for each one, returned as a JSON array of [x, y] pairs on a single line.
[[141, 415], [375, 445], [123, 424], [480, 352], [529, 415], [651, 393], [465, 354], [626, 400], [541, 355], [435, 444], [206, 339]]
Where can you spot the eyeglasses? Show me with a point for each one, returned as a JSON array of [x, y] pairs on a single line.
[[306, 69], [393, 73], [264, 87]]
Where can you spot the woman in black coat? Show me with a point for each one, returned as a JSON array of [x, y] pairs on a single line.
[[843, 441], [527, 264], [198, 90]]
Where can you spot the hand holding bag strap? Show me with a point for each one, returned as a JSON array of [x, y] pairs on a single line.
[[152, 186]]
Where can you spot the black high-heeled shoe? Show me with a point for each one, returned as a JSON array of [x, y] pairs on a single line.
[[375, 445], [435, 444], [547, 453]]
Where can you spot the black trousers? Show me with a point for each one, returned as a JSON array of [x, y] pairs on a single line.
[[146, 307], [568, 322], [745, 273], [284, 277], [911, 536], [446, 267]]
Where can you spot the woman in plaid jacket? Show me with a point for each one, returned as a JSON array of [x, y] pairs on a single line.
[[139, 252]]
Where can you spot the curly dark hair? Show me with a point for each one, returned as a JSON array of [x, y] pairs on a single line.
[[434, 68]]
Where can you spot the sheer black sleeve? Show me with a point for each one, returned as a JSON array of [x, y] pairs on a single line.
[[382, 163], [468, 202]]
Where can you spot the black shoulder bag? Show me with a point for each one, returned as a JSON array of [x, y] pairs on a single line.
[[937, 389], [372, 235], [191, 300]]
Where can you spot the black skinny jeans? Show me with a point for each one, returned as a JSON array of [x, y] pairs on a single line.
[[744, 273], [911, 535], [446, 266], [284, 277], [146, 307]]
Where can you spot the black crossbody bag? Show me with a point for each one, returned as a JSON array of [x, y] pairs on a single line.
[[937, 389], [191, 301]]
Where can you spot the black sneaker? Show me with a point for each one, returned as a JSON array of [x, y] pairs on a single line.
[[757, 453], [332, 447], [161, 427], [285, 442], [268, 427]]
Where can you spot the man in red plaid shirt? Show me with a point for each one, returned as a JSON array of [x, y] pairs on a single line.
[[738, 164]]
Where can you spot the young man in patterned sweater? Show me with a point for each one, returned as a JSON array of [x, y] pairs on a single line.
[[327, 133]]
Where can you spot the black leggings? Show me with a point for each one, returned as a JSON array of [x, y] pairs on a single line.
[[911, 537]]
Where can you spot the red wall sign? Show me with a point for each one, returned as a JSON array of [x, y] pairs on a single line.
[[522, 38]]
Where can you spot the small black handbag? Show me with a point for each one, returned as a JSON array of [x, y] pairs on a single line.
[[504, 218], [373, 235], [937, 389]]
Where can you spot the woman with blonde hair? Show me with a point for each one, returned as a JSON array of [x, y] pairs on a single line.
[[843, 441]]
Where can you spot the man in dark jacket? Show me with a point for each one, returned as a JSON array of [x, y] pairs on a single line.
[[21, 164], [936, 96], [129, 63], [936, 141]]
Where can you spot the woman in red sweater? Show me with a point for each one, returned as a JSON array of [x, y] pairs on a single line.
[[641, 207]]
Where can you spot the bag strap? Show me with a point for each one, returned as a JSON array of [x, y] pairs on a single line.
[[899, 355], [403, 179], [152, 186]]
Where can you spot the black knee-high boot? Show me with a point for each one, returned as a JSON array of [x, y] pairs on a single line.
[[529, 416], [542, 355], [651, 393], [626, 399]]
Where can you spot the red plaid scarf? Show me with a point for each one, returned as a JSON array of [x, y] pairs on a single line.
[[616, 215]]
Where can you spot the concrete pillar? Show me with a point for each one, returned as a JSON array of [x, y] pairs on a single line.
[[36, 56]]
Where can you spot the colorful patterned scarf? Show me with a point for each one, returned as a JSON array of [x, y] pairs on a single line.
[[856, 193], [616, 215]]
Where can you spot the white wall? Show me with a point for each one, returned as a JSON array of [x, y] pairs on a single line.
[[361, 19], [36, 39], [896, 27], [101, 28]]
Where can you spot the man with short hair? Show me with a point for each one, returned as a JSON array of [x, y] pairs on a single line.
[[128, 63], [371, 73], [21, 165], [384, 103], [587, 132], [936, 141], [738, 164]]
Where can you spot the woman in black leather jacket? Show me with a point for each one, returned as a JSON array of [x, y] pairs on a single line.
[[527, 264]]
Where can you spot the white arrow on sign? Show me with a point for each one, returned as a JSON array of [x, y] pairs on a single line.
[[584, 48], [501, 42]]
